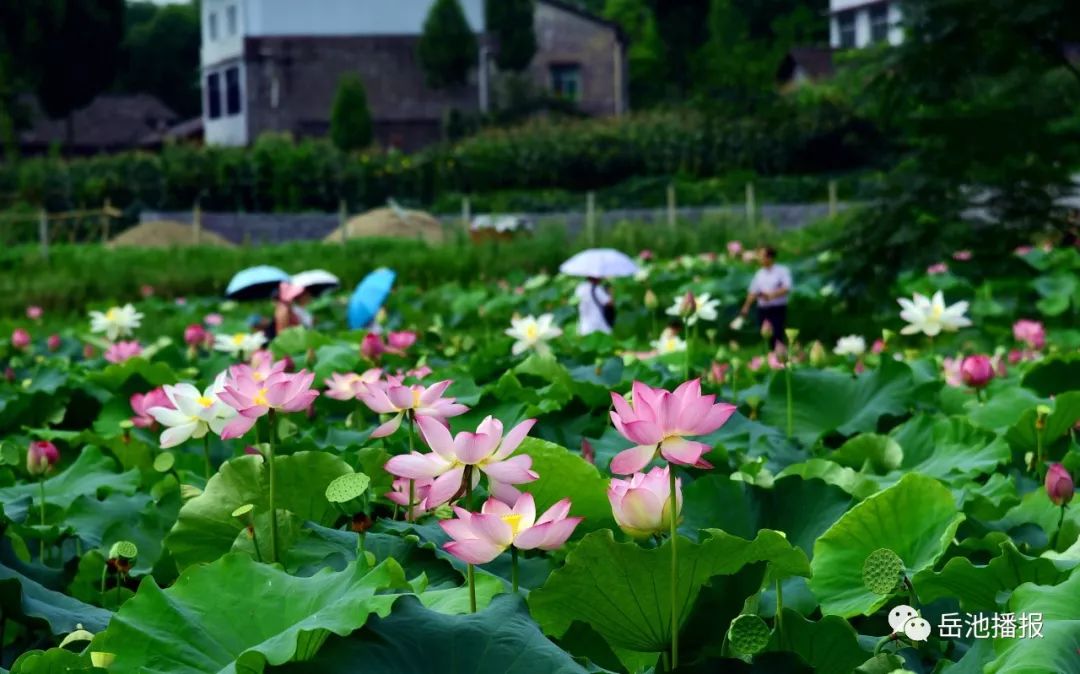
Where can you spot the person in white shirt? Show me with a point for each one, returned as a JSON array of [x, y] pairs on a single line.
[[770, 287], [594, 301]]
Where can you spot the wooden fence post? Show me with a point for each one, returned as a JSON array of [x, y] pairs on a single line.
[[106, 213], [751, 204], [196, 223], [43, 233], [671, 205], [833, 200], [590, 217], [343, 220]]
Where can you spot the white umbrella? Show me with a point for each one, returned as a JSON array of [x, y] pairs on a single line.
[[317, 281], [599, 263]]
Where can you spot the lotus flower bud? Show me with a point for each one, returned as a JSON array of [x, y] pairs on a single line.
[[817, 353], [976, 371], [34, 312], [372, 346], [651, 301], [195, 335], [642, 504], [737, 323], [587, 451], [1059, 485], [20, 338], [688, 305], [400, 341], [41, 457], [734, 247], [766, 330], [53, 343]]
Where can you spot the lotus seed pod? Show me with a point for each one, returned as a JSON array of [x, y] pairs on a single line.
[[748, 634], [164, 462], [881, 571], [243, 510], [123, 549], [347, 487]]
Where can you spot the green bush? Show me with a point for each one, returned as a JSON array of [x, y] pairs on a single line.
[[279, 174], [350, 119]]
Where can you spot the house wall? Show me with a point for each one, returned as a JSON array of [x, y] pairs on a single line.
[[350, 17], [291, 83], [861, 9], [564, 37]]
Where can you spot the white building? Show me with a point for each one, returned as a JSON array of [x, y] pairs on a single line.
[[854, 24]]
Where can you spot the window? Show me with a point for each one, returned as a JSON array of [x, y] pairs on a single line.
[[845, 22], [230, 19], [566, 81], [211, 26], [879, 23], [232, 91], [213, 96]]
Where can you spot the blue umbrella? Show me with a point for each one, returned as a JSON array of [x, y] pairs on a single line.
[[255, 283], [369, 296]]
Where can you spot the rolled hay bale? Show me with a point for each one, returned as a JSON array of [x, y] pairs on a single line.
[[165, 234], [388, 222]]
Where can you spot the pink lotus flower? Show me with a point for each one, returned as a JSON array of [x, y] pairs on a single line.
[[734, 247], [1015, 356], [481, 537], [1030, 332], [88, 351], [645, 254], [393, 397], [213, 320], [417, 373], [146, 290], [976, 371], [372, 347], [718, 372], [939, 268], [642, 504], [485, 451], [262, 366], [253, 397], [774, 360], [41, 456], [587, 451], [660, 421], [347, 386], [142, 402], [53, 342], [756, 363], [878, 346], [121, 351], [195, 336], [962, 255], [400, 495], [1059, 485], [951, 370], [20, 338], [399, 342], [34, 312], [1022, 250]]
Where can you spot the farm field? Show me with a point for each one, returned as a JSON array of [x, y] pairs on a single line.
[[476, 488]]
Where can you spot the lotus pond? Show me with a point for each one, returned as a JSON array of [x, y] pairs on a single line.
[[478, 489]]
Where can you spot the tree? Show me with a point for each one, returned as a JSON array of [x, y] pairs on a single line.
[[645, 55], [83, 54], [683, 27], [24, 30], [983, 100], [161, 55], [350, 119], [511, 21], [448, 48]]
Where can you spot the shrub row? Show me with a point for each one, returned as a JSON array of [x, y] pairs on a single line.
[[277, 174]]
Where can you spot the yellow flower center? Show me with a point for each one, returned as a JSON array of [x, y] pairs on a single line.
[[258, 376], [238, 338], [112, 314], [204, 401], [260, 398], [514, 521], [415, 398], [936, 311], [531, 332]]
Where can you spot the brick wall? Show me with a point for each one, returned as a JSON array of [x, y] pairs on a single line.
[[566, 37], [406, 113]]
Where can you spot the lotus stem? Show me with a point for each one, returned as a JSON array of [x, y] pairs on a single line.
[[206, 456], [1038, 450], [412, 483], [273, 493], [41, 549], [514, 568], [673, 498], [1057, 532], [104, 574], [470, 571], [780, 611], [912, 599], [790, 406], [255, 540]]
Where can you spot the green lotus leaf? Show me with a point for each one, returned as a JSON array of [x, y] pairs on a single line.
[[623, 591], [949, 449], [1003, 408], [1053, 376], [21, 596], [1059, 647], [828, 645], [869, 452], [853, 482], [205, 528], [116, 375], [916, 518], [1065, 413], [91, 472], [52, 661], [564, 474], [137, 518]]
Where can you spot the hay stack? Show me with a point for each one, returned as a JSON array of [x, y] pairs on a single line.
[[386, 222], [165, 234]]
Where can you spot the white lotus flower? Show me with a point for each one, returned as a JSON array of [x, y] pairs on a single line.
[[702, 308], [669, 342], [642, 274], [532, 333], [116, 322], [195, 415], [931, 316], [241, 344], [852, 345]]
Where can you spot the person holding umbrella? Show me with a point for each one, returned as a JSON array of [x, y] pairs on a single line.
[[596, 304], [289, 308], [770, 286]]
